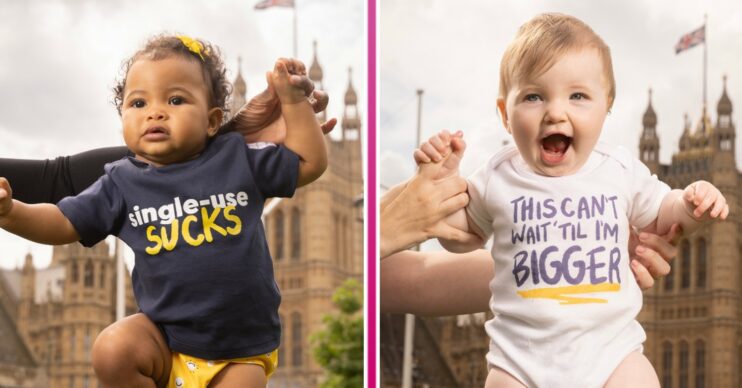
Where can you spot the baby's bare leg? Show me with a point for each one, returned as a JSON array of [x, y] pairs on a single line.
[[498, 378], [634, 371], [131, 353], [240, 376]]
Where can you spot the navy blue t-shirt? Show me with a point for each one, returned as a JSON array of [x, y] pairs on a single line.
[[202, 270]]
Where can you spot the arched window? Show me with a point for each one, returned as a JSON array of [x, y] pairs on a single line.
[[701, 263], [296, 345], [278, 235], [683, 365], [102, 276], [669, 281], [667, 364], [89, 273], [685, 264], [282, 347], [295, 234], [700, 364], [75, 272]]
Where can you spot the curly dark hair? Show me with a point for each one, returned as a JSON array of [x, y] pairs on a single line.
[[166, 45]]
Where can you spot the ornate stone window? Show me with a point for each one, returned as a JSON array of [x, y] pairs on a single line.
[[683, 375], [295, 234], [685, 264], [75, 272], [700, 364], [282, 347], [89, 273], [278, 233], [296, 345], [667, 364], [701, 263]]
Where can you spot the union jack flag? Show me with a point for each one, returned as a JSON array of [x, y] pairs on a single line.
[[691, 39], [274, 3]]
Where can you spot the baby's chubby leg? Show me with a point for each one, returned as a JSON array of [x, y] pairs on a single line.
[[132, 353], [498, 378], [634, 371]]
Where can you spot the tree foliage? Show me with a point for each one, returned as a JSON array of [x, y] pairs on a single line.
[[339, 347]]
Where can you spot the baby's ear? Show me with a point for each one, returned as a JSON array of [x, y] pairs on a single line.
[[503, 113], [215, 121]]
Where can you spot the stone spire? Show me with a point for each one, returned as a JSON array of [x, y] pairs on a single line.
[[649, 144], [724, 107], [238, 98], [351, 123], [315, 70]]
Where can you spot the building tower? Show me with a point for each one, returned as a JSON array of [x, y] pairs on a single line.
[[315, 74], [692, 315], [649, 144], [63, 308], [316, 241], [239, 91]]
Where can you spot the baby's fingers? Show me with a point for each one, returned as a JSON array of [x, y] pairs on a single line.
[[725, 212], [700, 190], [705, 204], [421, 157], [431, 151], [719, 205]]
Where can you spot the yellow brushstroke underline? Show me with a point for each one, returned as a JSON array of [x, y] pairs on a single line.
[[558, 293]]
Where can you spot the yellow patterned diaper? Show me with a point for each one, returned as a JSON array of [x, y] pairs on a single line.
[[193, 372]]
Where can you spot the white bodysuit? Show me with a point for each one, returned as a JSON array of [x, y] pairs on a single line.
[[564, 298]]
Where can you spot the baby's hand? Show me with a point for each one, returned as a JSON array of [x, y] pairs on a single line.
[[436, 148], [288, 92], [701, 196], [442, 152], [6, 197]]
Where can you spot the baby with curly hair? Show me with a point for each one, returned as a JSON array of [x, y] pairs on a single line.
[[189, 204]]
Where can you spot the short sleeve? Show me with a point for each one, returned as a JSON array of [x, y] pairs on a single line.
[[96, 212], [275, 169], [477, 209], [647, 193]]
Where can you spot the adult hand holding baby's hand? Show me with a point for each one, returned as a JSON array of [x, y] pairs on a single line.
[[281, 79], [702, 197], [445, 147], [6, 197]]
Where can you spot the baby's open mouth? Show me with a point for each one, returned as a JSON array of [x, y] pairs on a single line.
[[554, 147]]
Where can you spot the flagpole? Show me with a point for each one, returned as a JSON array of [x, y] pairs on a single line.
[[296, 55], [705, 60]]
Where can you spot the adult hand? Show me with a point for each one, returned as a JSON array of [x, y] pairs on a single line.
[[415, 211], [651, 254], [260, 119]]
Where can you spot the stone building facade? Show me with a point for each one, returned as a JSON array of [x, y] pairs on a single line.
[[316, 240], [59, 310], [693, 317]]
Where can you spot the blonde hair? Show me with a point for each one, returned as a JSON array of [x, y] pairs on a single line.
[[542, 40]]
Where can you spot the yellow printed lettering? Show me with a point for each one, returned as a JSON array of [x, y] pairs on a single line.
[[237, 228], [209, 223], [155, 239], [187, 232], [170, 244]]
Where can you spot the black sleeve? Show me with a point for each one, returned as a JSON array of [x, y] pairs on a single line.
[[36, 181]]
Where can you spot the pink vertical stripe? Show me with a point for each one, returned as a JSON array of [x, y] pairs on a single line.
[[371, 202]]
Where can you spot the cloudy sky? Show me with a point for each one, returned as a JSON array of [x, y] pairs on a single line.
[[452, 51], [60, 60]]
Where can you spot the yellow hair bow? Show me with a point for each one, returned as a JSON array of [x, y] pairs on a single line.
[[193, 45]]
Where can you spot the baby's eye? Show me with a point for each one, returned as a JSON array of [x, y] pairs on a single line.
[[578, 96], [176, 100], [532, 97], [137, 104]]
